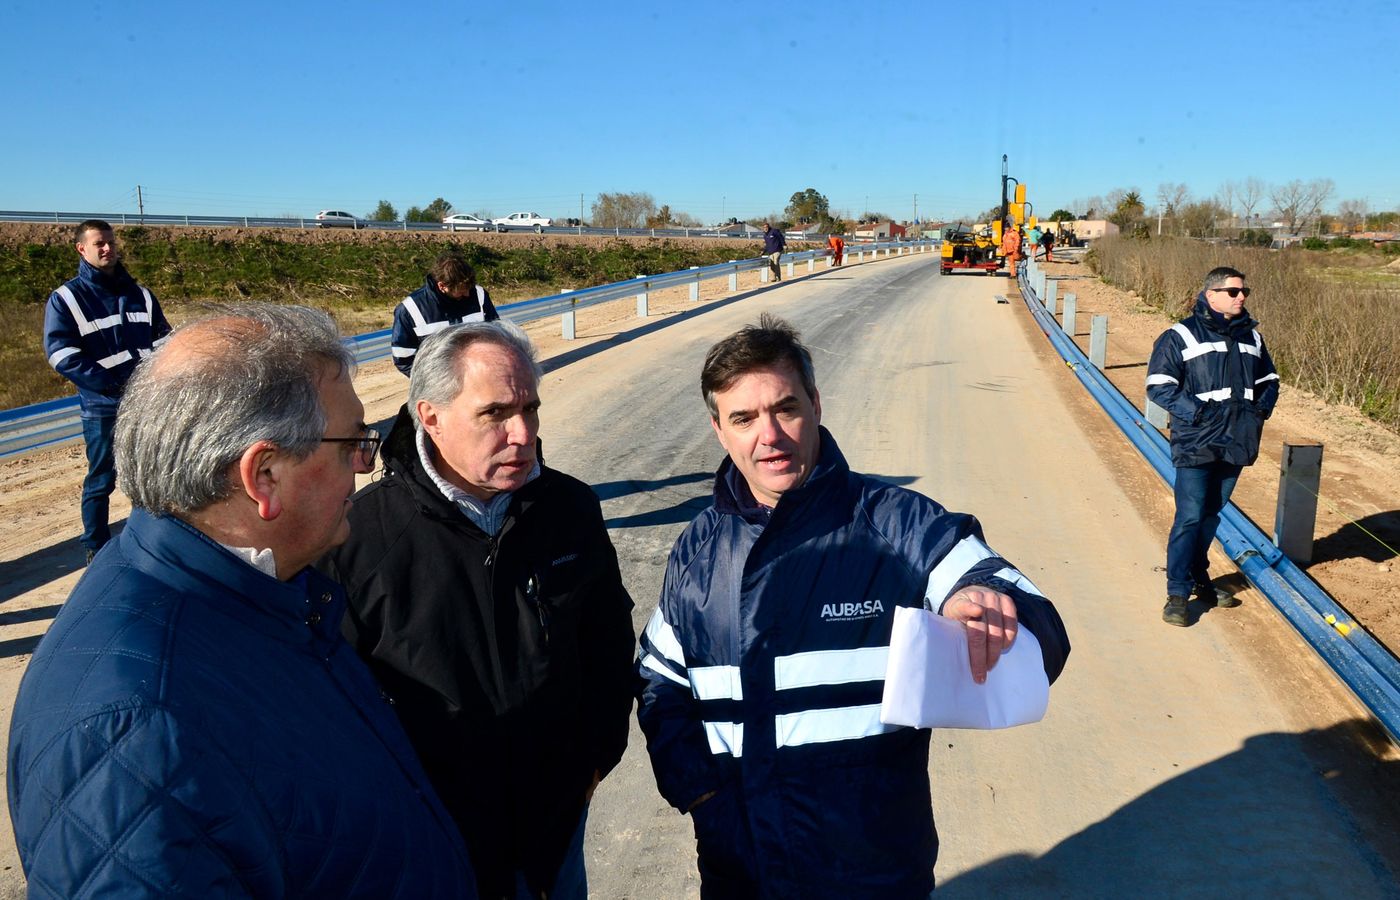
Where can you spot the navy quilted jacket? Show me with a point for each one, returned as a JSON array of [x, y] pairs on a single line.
[[192, 727], [762, 672], [97, 327], [1219, 384], [427, 311]]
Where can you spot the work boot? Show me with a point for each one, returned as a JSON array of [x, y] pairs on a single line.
[[1174, 613], [1218, 597], [89, 554]]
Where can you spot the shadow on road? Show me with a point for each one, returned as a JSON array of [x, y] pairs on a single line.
[[683, 511], [1243, 825], [40, 567]]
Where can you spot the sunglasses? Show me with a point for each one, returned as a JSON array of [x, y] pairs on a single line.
[[1233, 291]]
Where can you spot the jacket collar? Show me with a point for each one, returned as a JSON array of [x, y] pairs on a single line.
[[176, 553], [115, 281]]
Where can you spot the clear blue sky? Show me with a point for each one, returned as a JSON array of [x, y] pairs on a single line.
[[717, 109]]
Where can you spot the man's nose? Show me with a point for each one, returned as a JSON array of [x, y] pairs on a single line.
[[519, 430]]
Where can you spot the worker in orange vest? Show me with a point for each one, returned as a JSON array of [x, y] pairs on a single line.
[[837, 247], [1011, 249]]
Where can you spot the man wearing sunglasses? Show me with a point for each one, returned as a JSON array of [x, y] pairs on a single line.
[[194, 724], [1212, 373]]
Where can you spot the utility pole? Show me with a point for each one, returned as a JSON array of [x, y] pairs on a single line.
[[916, 207], [1159, 221], [580, 209], [140, 205]]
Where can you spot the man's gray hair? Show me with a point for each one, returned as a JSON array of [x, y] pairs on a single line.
[[243, 374], [437, 369]]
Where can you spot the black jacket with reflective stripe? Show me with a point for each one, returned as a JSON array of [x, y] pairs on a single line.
[[1219, 384]]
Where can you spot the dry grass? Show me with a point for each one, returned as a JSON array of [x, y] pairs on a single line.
[[1335, 337]]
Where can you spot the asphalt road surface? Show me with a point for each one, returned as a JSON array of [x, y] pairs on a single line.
[[1212, 761]]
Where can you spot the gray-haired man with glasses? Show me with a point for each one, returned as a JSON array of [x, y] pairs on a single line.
[[486, 595], [194, 723]]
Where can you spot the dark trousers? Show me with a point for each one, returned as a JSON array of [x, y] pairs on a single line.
[[101, 480], [1201, 493]]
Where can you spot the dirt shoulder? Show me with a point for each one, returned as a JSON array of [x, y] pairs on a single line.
[[1358, 514]]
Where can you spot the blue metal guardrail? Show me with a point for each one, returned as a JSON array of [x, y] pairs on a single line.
[[1367, 668], [304, 223], [55, 422]]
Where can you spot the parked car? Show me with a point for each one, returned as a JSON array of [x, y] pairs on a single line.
[[467, 222], [334, 218], [522, 220]]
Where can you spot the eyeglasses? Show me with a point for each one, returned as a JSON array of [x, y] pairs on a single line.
[[1233, 291], [367, 445]]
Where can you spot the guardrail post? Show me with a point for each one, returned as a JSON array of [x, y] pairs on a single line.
[[1068, 321], [1098, 341], [734, 279], [762, 276], [789, 268], [642, 301], [695, 288], [1300, 476], [811, 264], [1052, 292], [568, 321]]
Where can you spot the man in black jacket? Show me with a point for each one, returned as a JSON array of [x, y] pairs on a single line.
[[486, 596], [1212, 372]]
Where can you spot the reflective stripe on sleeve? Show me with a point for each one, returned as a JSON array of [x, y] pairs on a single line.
[[725, 737], [968, 553], [1161, 379], [144, 317], [716, 683], [1272, 376], [1016, 578], [661, 668], [1203, 348], [815, 726], [405, 352], [116, 359], [59, 356], [664, 639], [830, 667], [1222, 394], [411, 306]]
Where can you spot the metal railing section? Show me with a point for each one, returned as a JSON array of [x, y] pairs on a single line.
[[1366, 667], [55, 422]]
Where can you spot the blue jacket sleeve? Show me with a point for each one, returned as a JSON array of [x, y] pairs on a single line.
[[403, 343], [1165, 375], [131, 803], [63, 345], [1266, 382], [669, 715], [961, 559]]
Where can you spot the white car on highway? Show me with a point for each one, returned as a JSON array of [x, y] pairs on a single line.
[[335, 218], [467, 222], [522, 220]]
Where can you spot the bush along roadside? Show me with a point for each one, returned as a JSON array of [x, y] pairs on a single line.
[[359, 273], [1334, 338]]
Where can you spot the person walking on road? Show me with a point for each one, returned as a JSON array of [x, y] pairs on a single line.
[[773, 245], [486, 596], [1047, 241], [97, 327], [449, 296], [193, 724], [762, 668], [1212, 372]]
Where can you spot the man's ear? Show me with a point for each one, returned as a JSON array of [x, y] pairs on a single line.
[[259, 468], [427, 416], [817, 404]]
